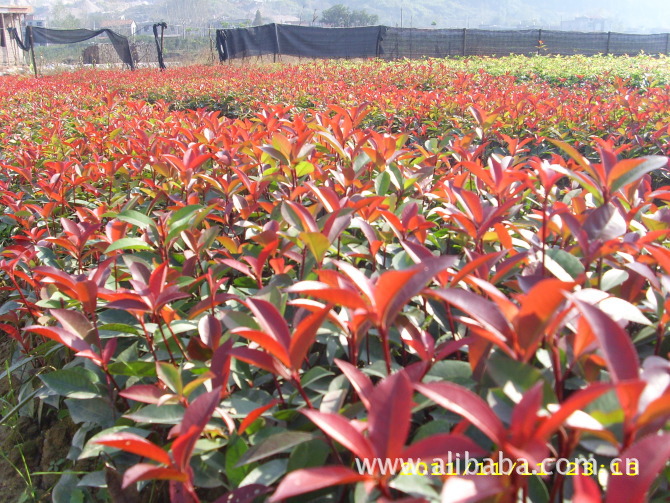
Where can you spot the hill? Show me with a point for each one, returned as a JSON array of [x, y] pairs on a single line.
[[595, 15]]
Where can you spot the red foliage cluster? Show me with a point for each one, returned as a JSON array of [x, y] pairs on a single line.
[[480, 267]]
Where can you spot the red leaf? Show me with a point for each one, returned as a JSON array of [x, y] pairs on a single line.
[[183, 446], [395, 288], [304, 335], [577, 401], [77, 324], [210, 330], [586, 490], [390, 415], [145, 393], [196, 417], [61, 335], [322, 291], [145, 471], [419, 340], [129, 304], [361, 383], [157, 279], [356, 275], [130, 442], [260, 359], [651, 453], [441, 445], [305, 217], [271, 321], [253, 415], [447, 348], [524, 415], [87, 294], [339, 429], [617, 348], [483, 311], [313, 479], [267, 342], [465, 403], [537, 309], [220, 365]]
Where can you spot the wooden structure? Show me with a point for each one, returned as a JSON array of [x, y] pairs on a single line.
[[11, 16]]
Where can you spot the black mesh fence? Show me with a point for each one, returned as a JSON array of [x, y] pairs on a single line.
[[416, 43], [412, 43], [621, 43]]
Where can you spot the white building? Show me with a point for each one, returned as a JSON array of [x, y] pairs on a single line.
[[11, 16]]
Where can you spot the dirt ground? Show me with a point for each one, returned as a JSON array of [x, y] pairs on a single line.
[[28, 446]]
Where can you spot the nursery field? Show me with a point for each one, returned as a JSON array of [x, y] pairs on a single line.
[[425, 281]]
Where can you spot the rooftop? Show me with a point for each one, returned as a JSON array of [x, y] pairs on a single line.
[[14, 9]]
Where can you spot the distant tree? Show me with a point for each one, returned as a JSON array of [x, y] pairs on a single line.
[[362, 18], [61, 17], [341, 16], [258, 19], [337, 15]]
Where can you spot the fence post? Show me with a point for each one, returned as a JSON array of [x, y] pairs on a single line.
[[277, 48], [32, 48], [609, 35], [465, 33], [539, 40]]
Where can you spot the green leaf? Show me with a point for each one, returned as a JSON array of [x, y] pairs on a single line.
[[9, 306], [66, 491], [396, 176], [171, 376], [115, 329], [182, 219], [563, 265], [317, 243], [93, 479], [360, 162], [76, 382], [417, 485], [382, 183], [133, 369], [431, 428], [314, 374], [274, 444], [128, 244], [91, 410], [613, 278], [304, 168], [136, 218], [266, 474], [158, 414], [649, 164], [453, 371], [571, 151], [505, 370], [234, 452], [308, 454]]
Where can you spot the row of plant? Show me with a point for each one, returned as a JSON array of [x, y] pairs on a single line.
[[247, 307]]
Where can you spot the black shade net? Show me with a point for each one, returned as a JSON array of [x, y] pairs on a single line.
[[37, 35], [314, 42], [395, 43], [303, 41]]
